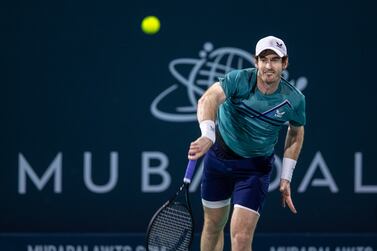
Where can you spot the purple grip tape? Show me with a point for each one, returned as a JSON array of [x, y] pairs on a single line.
[[189, 171]]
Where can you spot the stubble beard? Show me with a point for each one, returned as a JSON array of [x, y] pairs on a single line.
[[270, 79]]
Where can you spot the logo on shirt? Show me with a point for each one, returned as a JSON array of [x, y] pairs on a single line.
[[194, 75], [279, 114]]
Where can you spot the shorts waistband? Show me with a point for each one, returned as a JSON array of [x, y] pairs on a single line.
[[223, 150]]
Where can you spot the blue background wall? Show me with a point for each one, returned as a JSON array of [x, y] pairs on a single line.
[[80, 77]]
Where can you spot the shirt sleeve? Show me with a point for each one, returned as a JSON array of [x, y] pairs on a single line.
[[231, 83], [299, 115]]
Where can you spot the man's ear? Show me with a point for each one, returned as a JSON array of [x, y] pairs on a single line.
[[255, 61], [285, 63]]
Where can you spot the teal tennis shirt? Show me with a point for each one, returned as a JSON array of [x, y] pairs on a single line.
[[250, 121]]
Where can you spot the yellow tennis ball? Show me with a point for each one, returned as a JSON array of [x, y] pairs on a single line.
[[150, 25]]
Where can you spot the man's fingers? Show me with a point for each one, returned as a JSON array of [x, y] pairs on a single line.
[[194, 155], [198, 148], [286, 196], [288, 201], [194, 150]]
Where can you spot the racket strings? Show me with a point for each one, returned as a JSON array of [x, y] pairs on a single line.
[[171, 229]]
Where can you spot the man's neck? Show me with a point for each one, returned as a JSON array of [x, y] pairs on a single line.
[[267, 88]]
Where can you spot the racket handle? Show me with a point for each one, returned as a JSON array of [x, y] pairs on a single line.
[[189, 171]]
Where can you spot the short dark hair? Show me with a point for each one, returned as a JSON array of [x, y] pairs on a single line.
[[268, 52]]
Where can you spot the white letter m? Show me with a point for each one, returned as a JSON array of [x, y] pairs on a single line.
[[24, 169]]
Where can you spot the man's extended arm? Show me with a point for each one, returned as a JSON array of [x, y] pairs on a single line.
[[293, 142], [293, 145], [210, 102], [208, 105]]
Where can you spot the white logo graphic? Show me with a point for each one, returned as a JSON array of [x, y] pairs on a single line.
[[279, 114], [196, 75]]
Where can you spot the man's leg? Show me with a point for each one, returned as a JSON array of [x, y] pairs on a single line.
[[243, 224], [215, 219]]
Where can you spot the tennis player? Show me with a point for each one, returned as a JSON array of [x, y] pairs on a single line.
[[240, 118]]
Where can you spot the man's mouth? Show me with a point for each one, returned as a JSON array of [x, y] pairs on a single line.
[[269, 73]]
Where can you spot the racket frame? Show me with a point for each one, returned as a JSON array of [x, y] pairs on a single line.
[[185, 186]]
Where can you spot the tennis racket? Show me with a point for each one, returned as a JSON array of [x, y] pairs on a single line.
[[172, 226]]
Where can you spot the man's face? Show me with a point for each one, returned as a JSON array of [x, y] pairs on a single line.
[[270, 67]]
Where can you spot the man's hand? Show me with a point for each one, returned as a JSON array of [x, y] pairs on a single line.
[[199, 147], [285, 190]]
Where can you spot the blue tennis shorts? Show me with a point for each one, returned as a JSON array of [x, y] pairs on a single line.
[[244, 180]]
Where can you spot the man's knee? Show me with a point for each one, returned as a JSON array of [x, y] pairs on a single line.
[[241, 240], [215, 219], [214, 225]]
